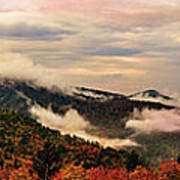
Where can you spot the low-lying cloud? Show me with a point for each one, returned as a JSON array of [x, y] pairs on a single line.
[[156, 121], [20, 67], [72, 123], [69, 124]]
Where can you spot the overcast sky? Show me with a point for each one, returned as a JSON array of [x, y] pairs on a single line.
[[120, 45]]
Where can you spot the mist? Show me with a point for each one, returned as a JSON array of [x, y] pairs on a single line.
[[21, 67], [156, 121], [73, 124]]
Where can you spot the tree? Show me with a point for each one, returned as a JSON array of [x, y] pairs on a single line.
[[49, 160]]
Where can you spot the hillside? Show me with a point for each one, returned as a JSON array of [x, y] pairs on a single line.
[[102, 114], [31, 151], [23, 140], [21, 96]]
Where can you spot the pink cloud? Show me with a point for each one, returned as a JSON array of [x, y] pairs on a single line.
[[16, 5], [114, 12], [104, 12], [7, 10], [77, 6]]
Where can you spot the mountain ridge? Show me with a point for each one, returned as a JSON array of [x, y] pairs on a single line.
[[117, 108], [109, 116], [151, 93]]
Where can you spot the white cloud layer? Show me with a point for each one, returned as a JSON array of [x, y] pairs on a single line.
[[156, 121], [17, 66], [72, 123]]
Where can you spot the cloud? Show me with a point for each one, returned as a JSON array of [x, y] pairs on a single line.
[[117, 12], [102, 36], [15, 5], [33, 32], [72, 123], [9, 10], [113, 72], [156, 121], [119, 59], [109, 51], [17, 66]]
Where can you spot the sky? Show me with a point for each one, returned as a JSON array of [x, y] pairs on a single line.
[[118, 45]]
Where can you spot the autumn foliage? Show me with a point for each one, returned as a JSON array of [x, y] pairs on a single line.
[[169, 170], [29, 151]]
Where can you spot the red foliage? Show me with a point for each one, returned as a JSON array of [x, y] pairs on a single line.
[[108, 174], [141, 173], [169, 170], [22, 172]]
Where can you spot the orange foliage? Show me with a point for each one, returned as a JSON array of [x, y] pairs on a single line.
[[22, 173], [169, 170], [108, 174], [70, 172], [141, 173]]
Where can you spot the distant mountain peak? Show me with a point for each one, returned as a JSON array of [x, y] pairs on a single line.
[[100, 108], [150, 93], [96, 94]]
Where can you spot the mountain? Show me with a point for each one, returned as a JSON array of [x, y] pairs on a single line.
[[94, 94], [100, 108], [108, 113], [26, 143], [150, 94], [31, 151]]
